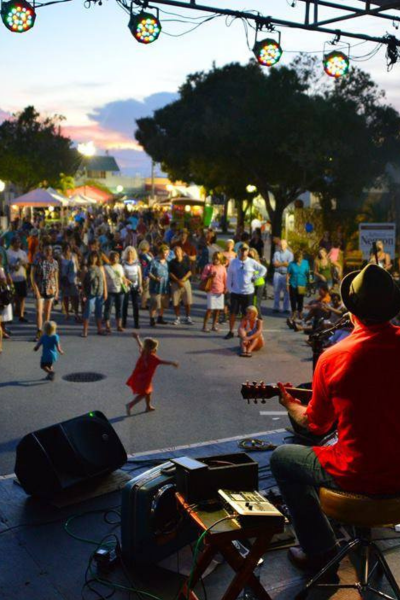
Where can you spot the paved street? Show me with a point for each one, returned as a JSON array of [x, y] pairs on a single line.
[[199, 401]]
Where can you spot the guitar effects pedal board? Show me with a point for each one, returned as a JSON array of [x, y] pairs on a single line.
[[249, 504]]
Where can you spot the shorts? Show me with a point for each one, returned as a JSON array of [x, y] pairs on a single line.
[[93, 303], [47, 365], [182, 293], [69, 290], [21, 289], [215, 301], [46, 297], [240, 302], [159, 300]]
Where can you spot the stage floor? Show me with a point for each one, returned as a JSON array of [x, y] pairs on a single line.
[[40, 561]]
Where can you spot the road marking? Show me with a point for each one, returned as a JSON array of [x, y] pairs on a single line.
[[272, 413]]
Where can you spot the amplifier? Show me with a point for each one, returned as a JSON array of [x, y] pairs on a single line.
[[152, 528]]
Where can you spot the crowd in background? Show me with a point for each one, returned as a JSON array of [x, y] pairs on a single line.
[[112, 265]]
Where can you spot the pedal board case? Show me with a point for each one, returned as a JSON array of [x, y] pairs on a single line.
[[151, 526]]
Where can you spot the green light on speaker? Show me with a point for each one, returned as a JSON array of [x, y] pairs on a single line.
[[91, 414]]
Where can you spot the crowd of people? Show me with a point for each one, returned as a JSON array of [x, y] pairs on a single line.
[[297, 276], [112, 265]]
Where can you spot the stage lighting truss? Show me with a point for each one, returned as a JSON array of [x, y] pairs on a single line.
[[18, 16], [268, 52], [145, 27], [321, 16]]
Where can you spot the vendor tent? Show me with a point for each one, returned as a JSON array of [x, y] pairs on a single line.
[[79, 200], [39, 198], [89, 191]]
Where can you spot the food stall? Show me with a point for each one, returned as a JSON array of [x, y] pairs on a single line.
[[188, 212]]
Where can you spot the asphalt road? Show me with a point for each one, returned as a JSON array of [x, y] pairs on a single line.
[[200, 401]]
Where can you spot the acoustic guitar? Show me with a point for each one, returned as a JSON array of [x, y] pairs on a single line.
[[264, 391]]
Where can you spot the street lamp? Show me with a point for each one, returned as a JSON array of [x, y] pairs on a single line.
[[87, 150], [2, 186], [251, 188], [120, 189]]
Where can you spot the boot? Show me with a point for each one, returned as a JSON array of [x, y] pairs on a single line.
[[152, 322]]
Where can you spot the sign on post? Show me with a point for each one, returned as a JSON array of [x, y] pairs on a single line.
[[372, 232]]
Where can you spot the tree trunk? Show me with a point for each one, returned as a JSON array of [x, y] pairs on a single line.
[[276, 226], [225, 216], [240, 213]]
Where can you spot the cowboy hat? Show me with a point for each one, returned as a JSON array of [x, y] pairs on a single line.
[[371, 294]]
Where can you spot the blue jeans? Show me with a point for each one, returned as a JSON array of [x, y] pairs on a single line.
[[280, 288], [93, 303], [116, 299], [299, 474]]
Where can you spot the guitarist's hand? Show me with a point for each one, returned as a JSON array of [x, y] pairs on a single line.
[[285, 399]]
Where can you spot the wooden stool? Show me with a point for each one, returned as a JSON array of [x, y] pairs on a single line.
[[220, 539], [363, 513]]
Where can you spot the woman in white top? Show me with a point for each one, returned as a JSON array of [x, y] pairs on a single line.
[[115, 281], [133, 274]]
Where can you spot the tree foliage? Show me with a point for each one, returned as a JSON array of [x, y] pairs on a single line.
[[33, 151], [280, 130]]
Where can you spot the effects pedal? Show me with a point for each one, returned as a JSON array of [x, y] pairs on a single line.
[[249, 504]]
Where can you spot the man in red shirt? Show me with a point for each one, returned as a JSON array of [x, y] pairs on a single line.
[[355, 384]]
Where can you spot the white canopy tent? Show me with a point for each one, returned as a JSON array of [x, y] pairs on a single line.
[[39, 198]]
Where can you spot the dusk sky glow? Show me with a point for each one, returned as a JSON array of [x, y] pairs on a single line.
[[85, 64]]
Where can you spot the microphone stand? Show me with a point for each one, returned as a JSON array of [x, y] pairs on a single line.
[[317, 339]]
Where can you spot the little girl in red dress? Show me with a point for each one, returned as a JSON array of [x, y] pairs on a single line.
[[141, 380]]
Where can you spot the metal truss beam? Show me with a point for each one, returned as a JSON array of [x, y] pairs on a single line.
[[268, 21]]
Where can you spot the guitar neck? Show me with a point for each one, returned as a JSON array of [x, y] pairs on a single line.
[[299, 393]]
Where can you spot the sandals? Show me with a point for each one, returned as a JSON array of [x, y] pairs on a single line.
[[83, 335], [245, 354], [206, 330], [214, 328]]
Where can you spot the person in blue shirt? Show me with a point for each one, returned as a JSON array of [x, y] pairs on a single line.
[[51, 348], [298, 274]]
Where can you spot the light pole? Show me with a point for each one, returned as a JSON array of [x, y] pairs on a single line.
[[2, 199]]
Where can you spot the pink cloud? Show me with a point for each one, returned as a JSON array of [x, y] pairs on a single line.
[[4, 115], [104, 139]]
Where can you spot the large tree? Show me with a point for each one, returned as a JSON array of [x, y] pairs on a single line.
[[275, 129], [33, 151]]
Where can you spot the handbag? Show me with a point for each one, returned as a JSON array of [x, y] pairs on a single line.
[[206, 284], [6, 296], [302, 290]]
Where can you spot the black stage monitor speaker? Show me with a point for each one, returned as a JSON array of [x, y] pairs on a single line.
[[58, 457]]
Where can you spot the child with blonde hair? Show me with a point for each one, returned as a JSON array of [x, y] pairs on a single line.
[[51, 348], [141, 380], [250, 332]]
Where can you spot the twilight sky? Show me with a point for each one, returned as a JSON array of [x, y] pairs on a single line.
[[84, 64]]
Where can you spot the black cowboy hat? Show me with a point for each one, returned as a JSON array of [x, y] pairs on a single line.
[[371, 294]]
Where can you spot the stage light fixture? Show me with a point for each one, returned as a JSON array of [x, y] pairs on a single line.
[[336, 64], [268, 52], [145, 27], [18, 17]]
